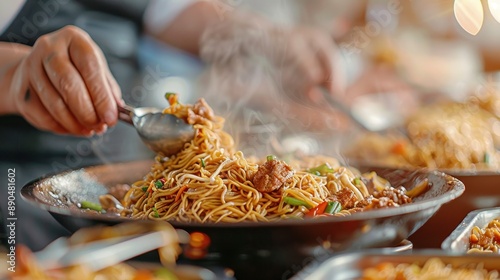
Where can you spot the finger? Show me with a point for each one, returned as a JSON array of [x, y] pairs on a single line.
[[36, 114], [113, 85], [330, 60], [302, 73], [115, 88], [307, 63], [53, 102], [67, 81], [85, 55]]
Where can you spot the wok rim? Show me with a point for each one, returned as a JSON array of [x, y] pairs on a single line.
[[456, 191], [454, 172]]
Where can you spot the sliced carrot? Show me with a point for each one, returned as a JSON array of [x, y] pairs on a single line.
[[143, 275], [399, 148], [179, 193]]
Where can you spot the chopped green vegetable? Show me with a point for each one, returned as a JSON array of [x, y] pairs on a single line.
[[486, 158], [159, 184], [333, 207], [271, 157], [156, 214], [321, 170], [356, 181], [172, 98], [165, 274], [296, 202], [144, 189], [90, 205], [169, 94], [202, 163]]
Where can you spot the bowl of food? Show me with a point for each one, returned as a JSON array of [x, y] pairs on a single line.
[[421, 264], [273, 211], [479, 232]]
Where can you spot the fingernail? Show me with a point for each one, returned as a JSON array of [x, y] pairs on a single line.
[[88, 133], [109, 117], [102, 129]]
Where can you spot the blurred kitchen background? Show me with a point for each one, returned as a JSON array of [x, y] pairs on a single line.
[[396, 55]]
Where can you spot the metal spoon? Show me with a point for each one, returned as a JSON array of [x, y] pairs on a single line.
[[366, 122], [162, 133]]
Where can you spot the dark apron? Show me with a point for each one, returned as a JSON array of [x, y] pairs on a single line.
[[33, 153]]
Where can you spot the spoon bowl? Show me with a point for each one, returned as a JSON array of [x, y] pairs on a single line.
[[162, 133]]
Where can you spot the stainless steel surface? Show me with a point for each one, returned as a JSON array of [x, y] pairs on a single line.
[[163, 133], [351, 265], [458, 240], [100, 254]]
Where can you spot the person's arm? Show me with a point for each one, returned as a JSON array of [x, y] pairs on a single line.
[[61, 84], [303, 58], [184, 31]]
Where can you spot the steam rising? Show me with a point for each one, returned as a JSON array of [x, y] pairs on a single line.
[[251, 81]]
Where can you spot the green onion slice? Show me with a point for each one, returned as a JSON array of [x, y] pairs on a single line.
[[296, 202], [321, 170], [271, 157], [90, 205], [333, 207]]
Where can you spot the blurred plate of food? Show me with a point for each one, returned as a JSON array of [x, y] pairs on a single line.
[[479, 232], [458, 138], [420, 264]]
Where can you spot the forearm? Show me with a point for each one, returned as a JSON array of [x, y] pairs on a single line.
[[11, 55], [185, 31]]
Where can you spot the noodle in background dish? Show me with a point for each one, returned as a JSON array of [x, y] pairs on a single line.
[[434, 269], [209, 181], [459, 136], [485, 240]]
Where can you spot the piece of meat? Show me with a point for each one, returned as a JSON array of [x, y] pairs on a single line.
[[272, 175], [201, 108], [193, 118], [346, 198], [382, 202], [395, 194]]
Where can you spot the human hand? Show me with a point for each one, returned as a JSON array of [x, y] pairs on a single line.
[[309, 59], [64, 85], [297, 59]]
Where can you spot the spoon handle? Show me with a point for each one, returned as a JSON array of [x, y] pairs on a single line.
[[125, 114]]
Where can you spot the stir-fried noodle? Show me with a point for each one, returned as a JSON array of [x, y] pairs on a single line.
[[208, 181]]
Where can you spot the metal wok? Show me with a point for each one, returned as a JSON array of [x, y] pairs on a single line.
[[277, 249]]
